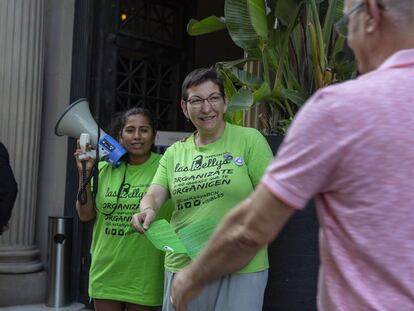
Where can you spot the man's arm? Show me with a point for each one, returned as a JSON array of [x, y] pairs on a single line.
[[250, 226]]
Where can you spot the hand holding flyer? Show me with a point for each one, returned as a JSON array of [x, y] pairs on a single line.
[[189, 240]]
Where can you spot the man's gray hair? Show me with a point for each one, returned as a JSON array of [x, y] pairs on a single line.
[[401, 11]]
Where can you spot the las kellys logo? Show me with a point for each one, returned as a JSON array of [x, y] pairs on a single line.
[[199, 162]]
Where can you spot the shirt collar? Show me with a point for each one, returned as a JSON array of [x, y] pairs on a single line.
[[401, 58]]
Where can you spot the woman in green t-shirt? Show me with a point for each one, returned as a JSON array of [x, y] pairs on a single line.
[[126, 270], [206, 175]]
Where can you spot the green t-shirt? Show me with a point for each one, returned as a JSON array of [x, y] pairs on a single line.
[[206, 182], [125, 265]]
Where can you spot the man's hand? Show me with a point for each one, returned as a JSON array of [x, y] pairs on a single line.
[[245, 230], [184, 289]]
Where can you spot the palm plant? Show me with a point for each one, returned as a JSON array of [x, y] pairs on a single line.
[[293, 42]]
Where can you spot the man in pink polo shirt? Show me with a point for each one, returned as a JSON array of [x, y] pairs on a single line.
[[352, 148]]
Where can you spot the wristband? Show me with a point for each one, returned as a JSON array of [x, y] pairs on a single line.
[[147, 208]]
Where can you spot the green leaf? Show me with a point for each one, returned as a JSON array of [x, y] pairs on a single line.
[[294, 96], [319, 36], [281, 107], [254, 53], [262, 93], [235, 117], [292, 81], [284, 46], [242, 100], [239, 25], [338, 48], [315, 54], [243, 77], [275, 96], [236, 63], [258, 18], [290, 50], [206, 25], [271, 56], [329, 22], [285, 10], [339, 10], [229, 88]]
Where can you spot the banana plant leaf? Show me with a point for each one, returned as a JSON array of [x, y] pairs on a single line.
[[257, 12], [229, 88], [235, 117], [242, 100], [206, 25], [330, 19], [243, 77], [285, 11], [236, 63], [295, 47], [239, 25], [296, 97], [262, 93]]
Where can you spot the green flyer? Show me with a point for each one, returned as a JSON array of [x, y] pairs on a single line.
[[163, 237], [196, 236], [189, 240]]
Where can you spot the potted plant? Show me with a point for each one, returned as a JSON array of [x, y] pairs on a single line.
[[296, 50], [294, 46]]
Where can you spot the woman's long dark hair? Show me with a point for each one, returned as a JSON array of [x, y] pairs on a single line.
[[120, 119]]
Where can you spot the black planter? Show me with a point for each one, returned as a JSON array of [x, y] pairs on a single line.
[[294, 260]]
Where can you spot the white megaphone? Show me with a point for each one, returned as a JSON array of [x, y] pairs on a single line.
[[77, 120]]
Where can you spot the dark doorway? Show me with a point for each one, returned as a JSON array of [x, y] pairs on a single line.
[[142, 54]]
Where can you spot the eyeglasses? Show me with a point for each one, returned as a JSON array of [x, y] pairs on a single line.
[[341, 26], [213, 99]]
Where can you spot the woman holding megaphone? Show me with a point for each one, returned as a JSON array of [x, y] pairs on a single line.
[[127, 272]]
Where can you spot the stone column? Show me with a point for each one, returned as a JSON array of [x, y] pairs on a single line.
[[21, 77]]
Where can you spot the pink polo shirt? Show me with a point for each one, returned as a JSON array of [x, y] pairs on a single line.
[[352, 148]]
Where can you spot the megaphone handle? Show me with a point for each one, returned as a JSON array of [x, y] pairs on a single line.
[[84, 140], [83, 195]]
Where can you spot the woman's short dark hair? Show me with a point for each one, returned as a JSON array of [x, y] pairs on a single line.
[[120, 119], [199, 76]]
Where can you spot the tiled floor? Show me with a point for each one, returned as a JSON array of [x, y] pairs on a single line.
[[72, 307]]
